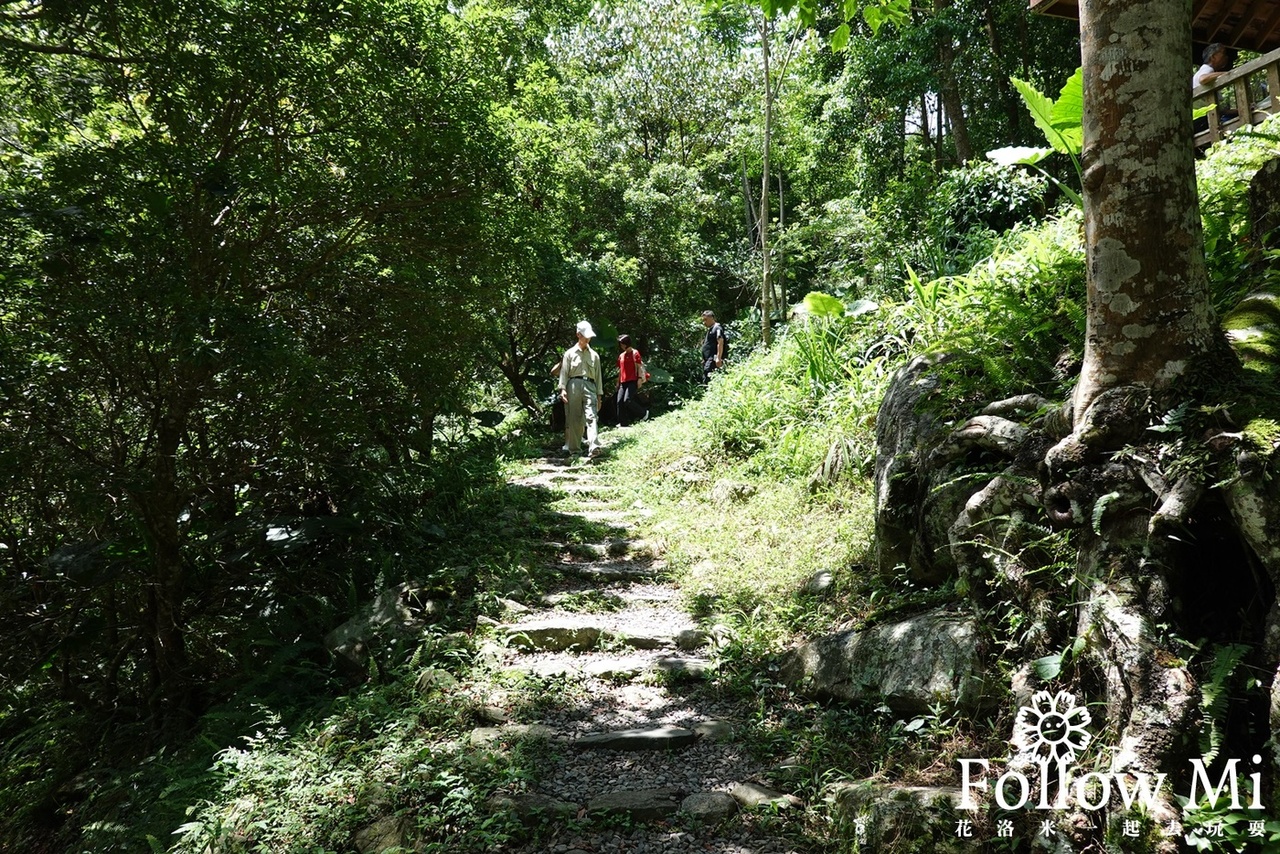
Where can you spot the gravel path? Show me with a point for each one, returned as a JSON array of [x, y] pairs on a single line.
[[611, 685]]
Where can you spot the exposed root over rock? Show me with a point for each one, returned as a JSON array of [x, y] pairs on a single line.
[[1085, 539]]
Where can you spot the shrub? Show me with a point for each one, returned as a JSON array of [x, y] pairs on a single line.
[[989, 196]]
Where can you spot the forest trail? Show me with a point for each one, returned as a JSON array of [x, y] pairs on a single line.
[[640, 754]]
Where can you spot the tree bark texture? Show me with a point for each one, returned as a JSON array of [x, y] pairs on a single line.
[[1149, 311], [159, 505]]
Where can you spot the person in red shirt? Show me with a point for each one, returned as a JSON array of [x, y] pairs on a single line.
[[631, 375]]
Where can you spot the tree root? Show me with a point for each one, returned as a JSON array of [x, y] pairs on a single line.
[[983, 432], [1134, 502], [1151, 698]]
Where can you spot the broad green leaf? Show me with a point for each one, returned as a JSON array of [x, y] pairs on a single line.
[[658, 375], [840, 38], [1068, 112], [875, 18], [1048, 667], [823, 305], [881, 12], [1041, 109]]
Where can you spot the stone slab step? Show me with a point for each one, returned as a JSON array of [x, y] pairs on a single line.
[[595, 593], [640, 805], [709, 806], [617, 570], [682, 666], [496, 735], [531, 807], [638, 593], [551, 638], [643, 738], [578, 487], [605, 515], [615, 548], [583, 638], [613, 667]]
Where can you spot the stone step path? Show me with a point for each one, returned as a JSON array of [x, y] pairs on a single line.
[[628, 735]]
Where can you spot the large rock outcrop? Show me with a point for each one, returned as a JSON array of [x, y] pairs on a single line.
[[911, 530], [880, 816], [908, 665], [396, 613]]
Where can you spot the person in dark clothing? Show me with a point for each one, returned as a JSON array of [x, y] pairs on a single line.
[[713, 346], [631, 375]]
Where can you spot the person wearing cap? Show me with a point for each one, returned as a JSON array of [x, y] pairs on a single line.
[[580, 384]]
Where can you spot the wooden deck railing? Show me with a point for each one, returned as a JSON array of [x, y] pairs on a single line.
[[1245, 96]]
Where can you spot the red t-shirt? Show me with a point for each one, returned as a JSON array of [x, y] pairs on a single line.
[[629, 365]]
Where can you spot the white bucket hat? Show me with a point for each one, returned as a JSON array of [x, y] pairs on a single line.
[[585, 330]]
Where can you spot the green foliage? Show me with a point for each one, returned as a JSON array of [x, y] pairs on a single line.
[[1050, 667], [650, 142], [1222, 178], [377, 754], [875, 13], [232, 280], [986, 195], [933, 227], [1008, 320], [821, 337], [1219, 828], [1060, 121], [1214, 695], [261, 262]]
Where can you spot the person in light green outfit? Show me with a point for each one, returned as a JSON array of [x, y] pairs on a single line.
[[581, 380]]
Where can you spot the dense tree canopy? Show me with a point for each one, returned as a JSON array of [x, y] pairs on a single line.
[[239, 242]]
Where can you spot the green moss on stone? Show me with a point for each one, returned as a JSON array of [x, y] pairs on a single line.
[[1263, 433]]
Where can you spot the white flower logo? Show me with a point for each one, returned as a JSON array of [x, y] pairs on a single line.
[[1052, 726]]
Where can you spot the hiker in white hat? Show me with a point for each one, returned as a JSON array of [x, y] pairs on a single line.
[[580, 384]]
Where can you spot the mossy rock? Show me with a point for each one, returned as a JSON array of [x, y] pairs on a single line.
[[896, 819], [1253, 329]]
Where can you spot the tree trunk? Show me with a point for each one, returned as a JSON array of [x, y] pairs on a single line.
[[951, 89], [160, 504], [1147, 529], [520, 389], [1149, 324], [777, 282], [926, 139], [766, 330], [1009, 99], [1149, 312]]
